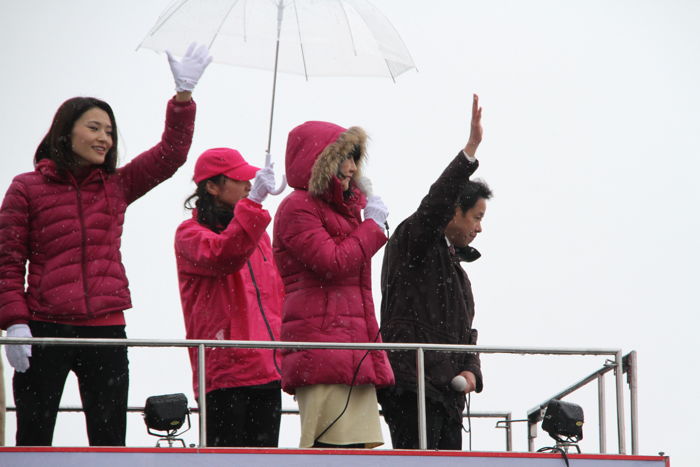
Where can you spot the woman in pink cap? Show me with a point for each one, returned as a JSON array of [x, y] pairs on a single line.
[[230, 290]]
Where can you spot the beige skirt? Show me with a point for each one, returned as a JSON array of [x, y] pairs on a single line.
[[320, 404]]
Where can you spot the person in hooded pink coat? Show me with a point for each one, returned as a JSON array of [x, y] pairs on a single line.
[[323, 249]]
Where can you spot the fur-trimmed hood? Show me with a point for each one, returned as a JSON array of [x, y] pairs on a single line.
[[315, 151]]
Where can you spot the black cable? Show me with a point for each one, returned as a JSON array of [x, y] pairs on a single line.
[[469, 419], [556, 449], [352, 382], [357, 370], [262, 312]]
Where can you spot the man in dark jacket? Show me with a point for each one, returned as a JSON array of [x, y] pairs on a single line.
[[427, 298]]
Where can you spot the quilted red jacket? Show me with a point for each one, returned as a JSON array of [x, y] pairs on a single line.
[[230, 290], [70, 232], [323, 251]]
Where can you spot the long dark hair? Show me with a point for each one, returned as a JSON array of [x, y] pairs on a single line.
[[209, 213], [57, 146]]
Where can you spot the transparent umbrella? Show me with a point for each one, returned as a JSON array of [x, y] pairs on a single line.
[[307, 37]]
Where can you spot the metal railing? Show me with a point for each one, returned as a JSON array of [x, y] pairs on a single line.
[[627, 364], [420, 367]]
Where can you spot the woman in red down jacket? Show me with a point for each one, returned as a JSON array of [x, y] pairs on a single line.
[[230, 290], [65, 220], [323, 250]]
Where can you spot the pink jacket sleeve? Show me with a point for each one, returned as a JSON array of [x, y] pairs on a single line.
[[309, 242], [160, 162], [200, 251], [14, 250]]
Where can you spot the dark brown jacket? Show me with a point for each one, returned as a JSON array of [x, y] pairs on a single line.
[[426, 295]]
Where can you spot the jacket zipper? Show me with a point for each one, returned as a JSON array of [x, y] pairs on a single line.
[[83, 248], [262, 312]]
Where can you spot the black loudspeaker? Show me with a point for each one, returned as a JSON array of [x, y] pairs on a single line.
[[166, 412], [563, 420]]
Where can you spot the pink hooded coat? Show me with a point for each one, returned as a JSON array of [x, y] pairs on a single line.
[[220, 297], [323, 251], [70, 232]]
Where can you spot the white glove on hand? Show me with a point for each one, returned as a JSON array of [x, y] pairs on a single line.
[[376, 210], [188, 70], [264, 182], [365, 186], [18, 354]]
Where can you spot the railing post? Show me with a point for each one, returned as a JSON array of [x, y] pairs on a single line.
[[202, 396], [531, 433], [509, 433], [602, 433], [420, 380], [632, 381], [622, 448]]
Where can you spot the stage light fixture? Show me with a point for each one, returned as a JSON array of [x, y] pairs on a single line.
[[563, 421], [166, 413]]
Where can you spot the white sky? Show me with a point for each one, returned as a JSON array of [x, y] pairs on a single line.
[[591, 144]]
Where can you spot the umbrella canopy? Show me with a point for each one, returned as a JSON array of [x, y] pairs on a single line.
[[308, 37], [316, 37]]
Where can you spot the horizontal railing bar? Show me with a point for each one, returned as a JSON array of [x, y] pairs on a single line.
[[194, 410], [574, 387], [308, 345]]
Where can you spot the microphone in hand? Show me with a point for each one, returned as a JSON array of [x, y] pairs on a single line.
[[459, 383]]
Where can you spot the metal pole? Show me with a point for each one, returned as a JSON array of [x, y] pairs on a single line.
[[620, 397], [202, 397], [531, 435], [509, 432], [602, 433], [280, 14], [632, 381], [420, 377]]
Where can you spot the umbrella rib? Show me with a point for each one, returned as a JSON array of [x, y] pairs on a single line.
[[157, 27], [301, 44], [245, 20], [347, 22], [390, 72], [221, 24]]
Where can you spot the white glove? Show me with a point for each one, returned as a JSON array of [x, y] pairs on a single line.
[[376, 210], [188, 70], [264, 182], [365, 186], [18, 354]]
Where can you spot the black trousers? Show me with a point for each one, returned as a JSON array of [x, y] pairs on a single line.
[[103, 381], [400, 408], [244, 417]]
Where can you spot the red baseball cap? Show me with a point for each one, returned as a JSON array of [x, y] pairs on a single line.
[[225, 161]]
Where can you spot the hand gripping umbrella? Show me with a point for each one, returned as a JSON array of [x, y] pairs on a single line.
[[308, 37]]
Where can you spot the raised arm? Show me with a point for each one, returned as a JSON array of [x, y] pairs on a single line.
[[305, 237], [203, 252], [161, 161], [437, 207], [476, 131]]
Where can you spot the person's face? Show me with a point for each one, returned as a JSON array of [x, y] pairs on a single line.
[[346, 171], [229, 191], [464, 226], [91, 137]]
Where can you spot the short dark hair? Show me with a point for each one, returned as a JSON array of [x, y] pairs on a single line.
[[56, 145], [473, 192]]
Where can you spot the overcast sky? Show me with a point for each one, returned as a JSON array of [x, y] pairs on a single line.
[[591, 113]]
